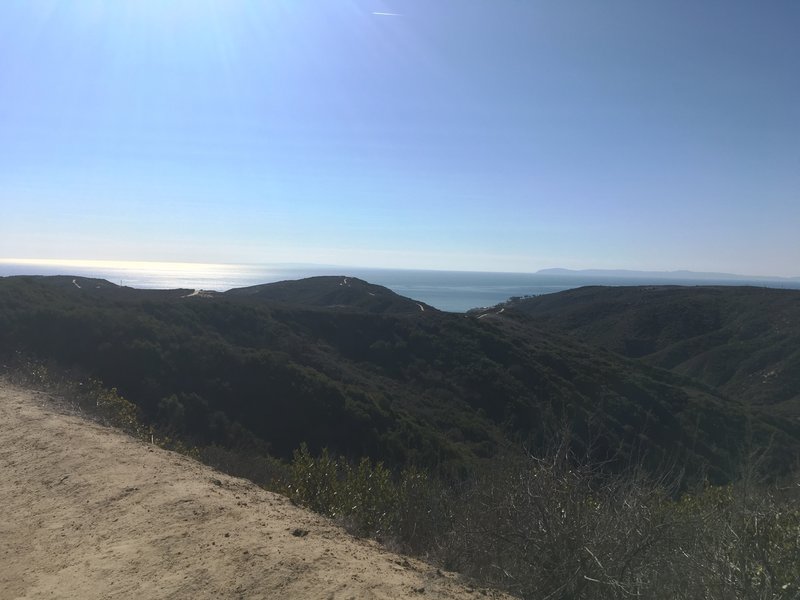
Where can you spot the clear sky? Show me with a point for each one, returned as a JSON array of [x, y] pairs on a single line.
[[506, 135]]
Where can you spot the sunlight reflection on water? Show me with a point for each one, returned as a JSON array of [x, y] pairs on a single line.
[[446, 290], [455, 291], [159, 275]]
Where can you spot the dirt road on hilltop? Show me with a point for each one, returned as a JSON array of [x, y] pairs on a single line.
[[88, 512]]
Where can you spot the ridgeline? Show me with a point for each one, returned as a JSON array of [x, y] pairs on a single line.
[[339, 363]]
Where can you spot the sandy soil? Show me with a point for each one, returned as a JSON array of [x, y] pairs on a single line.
[[88, 512]]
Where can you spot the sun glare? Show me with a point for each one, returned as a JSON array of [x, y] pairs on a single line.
[[185, 267], [156, 11]]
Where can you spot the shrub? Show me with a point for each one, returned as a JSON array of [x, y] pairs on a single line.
[[366, 497], [558, 527]]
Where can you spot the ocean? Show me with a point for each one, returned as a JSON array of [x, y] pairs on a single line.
[[454, 291]]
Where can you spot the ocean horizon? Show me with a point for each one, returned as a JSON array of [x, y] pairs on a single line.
[[452, 291]]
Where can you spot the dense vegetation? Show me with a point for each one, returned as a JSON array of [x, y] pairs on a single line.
[[372, 375], [557, 526], [743, 341], [494, 444], [551, 526]]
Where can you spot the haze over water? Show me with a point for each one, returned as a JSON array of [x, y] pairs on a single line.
[[455, 291]]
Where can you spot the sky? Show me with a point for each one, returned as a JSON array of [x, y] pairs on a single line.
[[486, 135]]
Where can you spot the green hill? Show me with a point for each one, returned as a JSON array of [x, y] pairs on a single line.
[[743, 341], [274, 366], [333, 292]]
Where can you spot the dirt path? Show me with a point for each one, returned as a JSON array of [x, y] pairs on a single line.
[[87, 512]]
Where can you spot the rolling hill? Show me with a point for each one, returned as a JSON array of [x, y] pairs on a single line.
[[333, 365], [742, 341], [333, 292]]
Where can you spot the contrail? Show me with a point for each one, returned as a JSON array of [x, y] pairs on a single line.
[[387, 14]]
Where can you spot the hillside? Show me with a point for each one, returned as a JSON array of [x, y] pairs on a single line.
[[424, 388], [743, 341], [333, 292], [91, 513]]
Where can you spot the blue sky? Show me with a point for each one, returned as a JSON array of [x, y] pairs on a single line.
[[506, 135]]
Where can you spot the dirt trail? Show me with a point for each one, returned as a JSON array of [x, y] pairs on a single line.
[[88, 512]]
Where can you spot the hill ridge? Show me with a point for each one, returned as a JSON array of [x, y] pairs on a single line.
[[742, 340], [332, 291]]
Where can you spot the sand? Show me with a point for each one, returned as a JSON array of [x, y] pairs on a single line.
[[89, 512]]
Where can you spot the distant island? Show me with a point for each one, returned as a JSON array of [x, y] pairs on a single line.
[[683, 275]]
